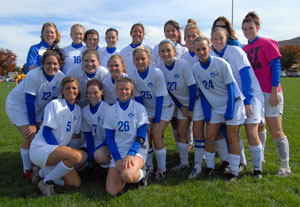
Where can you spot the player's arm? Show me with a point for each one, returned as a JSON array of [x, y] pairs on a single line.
[[276, 69], [32, 58], [90, 144], [230, 102], [139, 141], [49, 136], [246, 84], [205, 107], [158, 108], [31, 115], [192, 96], [110, 140]]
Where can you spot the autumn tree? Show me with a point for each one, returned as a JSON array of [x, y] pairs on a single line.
[[290, 56], [7, 61]]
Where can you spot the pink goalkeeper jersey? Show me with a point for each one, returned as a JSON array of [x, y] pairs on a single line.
[[260, 54]]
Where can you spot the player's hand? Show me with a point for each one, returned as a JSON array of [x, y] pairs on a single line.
[[119, 165], [128, 162], [274, 99], [249, 110], [30, 132], [184, 111], [190, 114]]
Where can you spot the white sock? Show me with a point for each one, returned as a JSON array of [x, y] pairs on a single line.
[[221, 147], [242, 150], [183, 150], [161, 156], [59, 182], [59, 171], [175, 134], [75, 143], [256, 156], [234, 161], [149, 162], [27, 164], [263, 137], [43, 172], [210, 159], [282, 146], [199, 153]]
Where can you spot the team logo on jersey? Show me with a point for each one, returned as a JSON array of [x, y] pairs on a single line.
[[130, 115], [212, 74], [99, 118], [150, 85], [54, 88], [176, 76], [74, 117]]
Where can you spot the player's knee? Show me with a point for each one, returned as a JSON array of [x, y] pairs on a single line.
[[128, 177], [76, 158]]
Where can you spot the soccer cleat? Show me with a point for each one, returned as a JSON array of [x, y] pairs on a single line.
[[231, 177], [210, 172], [257, 174], [283, 172], [35, 175], [28, 173], [180, 167], [47, 188], [242, 167], [159, 175], [224, 168], [194, 174]]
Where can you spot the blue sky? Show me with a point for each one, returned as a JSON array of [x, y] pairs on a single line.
[[21, 21]]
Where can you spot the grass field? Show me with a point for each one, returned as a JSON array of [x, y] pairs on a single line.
[[176, 190]]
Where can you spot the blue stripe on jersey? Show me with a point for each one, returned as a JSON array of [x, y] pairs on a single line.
[[192, 53], [91, 75], [124, 105], [230, 102], [77, 46], [234, 42], [276, 69], [49, 78], [206, 64], [134, 46], [144, 74], [205, 107], [193, 95], [220, 53], [70, 106], [158, 108], [141, 132], [246, 84], [110, 140], [90, 144], [30, 106], [111, 50], [94, 109], [139, 99], [256, 38], [171, 66], [178, 104], [199, 143], [49, 136]]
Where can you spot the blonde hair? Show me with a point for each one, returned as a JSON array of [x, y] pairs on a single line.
[[202, 38], [77, 25], [125, 80], [69, 79], [50, 24]]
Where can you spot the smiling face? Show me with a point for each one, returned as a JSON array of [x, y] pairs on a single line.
[[167, 52], [250, 30], [137, 34], [111, 39], [92, 41], [90, 63], [77, 35], [94, 94], [141, 61], [70, 91], [49, 34], [189, 37], [202, 50], [171, 33], [116, 68], [219, 39], [51, 65], [124, 91]]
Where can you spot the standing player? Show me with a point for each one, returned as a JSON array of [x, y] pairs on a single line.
[[247, 81], [137, 33], [225, 103], [111, 38], [49, 150], [93, 116], [26, 102], [49, 36], [264, 56], [151, 90], [126, 135], [116, 69], [91, 39], [74, 51]]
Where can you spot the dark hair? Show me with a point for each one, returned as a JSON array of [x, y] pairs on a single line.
[[228, 27], [137, 24], [90, 31], [112, 30], [177, 27], [91, 51], [56, 52], [50, 24], [252, 17], [94, 82]]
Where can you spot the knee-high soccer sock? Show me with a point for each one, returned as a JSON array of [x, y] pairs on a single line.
[[242, 150], [161, 156], [234, 161], [149, 162], [282, 146], [210, 159], [27, 165], [142, 175], [221, 147], [75, 143], [199, 153], [190, 135], [183, 150], [43, 172], [263, 137], [175, 134], [59, 171], [256, 156]]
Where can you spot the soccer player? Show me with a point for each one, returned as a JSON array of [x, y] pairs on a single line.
[[264, 56], [26, 102], [248, 83], [125, 126], [222, 102], [152, 92], [74, 51], [49, 36], [91, 39], [137, 33], [49, 149]]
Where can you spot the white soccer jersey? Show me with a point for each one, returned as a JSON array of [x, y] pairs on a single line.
[[109, 93], [188, 57], [178, 79], [180, 51], [81, 76], [125, 123], [72, 57], [64, 123], [238, 60], [35, 83], [94, 122], [152, 86], [104, 56], [126, 54], [213, 80]]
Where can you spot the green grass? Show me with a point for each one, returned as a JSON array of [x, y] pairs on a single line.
[[176, 190]]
